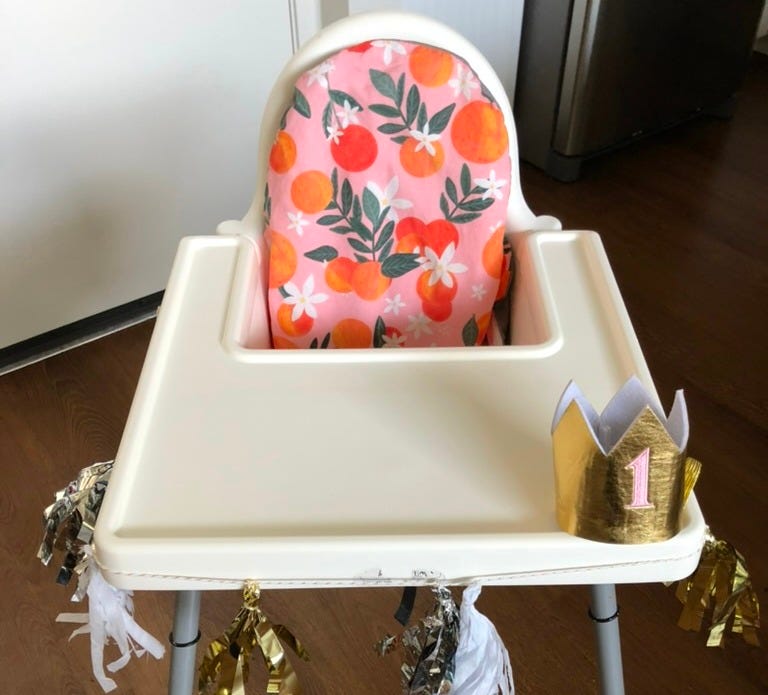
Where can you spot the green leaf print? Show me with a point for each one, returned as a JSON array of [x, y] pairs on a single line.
[[412, 104], [450, 189], [338, 97], [383, 83], [399, 264], [301, 104], [466, 181], [391, 128], [379, 330], [371, 206], [346, 196], [327, 117], [385, 110], [477, 204], [400, 90], [322, 253], [470, 332], [328, 220], [440, 120]]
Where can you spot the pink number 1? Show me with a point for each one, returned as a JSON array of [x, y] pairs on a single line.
[[640, 466]]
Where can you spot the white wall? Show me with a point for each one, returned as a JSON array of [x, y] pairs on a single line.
[[124, 125]]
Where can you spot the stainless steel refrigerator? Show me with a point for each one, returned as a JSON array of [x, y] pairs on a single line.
[[596, 74]]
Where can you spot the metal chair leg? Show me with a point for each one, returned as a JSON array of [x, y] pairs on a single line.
[[184, 639], [605, 616]]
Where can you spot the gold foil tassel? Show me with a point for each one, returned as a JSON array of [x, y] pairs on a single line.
[[691, 475], [226, 665], [721, 575]]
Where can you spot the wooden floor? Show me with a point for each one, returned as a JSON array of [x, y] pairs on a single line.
[[684, 218]]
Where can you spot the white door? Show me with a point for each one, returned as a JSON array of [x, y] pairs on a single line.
[[124, 125]]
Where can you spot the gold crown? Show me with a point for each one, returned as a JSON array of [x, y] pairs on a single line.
[[620, 475]]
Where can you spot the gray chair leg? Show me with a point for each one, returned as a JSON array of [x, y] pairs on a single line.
[[184, 639], [605, 616]]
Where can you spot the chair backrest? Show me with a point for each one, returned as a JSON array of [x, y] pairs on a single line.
[[424, 43]]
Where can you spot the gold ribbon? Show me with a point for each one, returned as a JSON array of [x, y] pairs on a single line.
[[721, 575], [226, 664]]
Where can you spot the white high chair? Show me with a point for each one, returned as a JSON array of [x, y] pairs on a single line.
[[215, 421]]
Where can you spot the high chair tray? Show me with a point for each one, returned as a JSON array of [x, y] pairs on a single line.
[[365, 467]]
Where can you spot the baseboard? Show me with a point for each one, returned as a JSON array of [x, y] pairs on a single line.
[[83, 331]]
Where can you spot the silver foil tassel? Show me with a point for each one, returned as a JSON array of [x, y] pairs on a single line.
[[429, 648], [68, 523]]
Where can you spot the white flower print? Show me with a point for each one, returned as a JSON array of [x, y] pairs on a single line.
[[347, 114], [303, 300], [419, 324], [297, 221], [442, 267], [394, 305], [478, 292], [463, 82], [389, 47], [319, 72], [424, 139], [386, 197], [491, 185], [334, 133], [394, 341]]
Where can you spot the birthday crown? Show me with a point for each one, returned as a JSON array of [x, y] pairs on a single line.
[[620, 475]]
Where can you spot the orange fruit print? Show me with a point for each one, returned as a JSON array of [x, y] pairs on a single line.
[[421, 163], [478, 132], [483, 322], [368, 282], [430, 66], [338, 274], [409, 233], [300, 326], [439, 234], [351, 333], [283, 343], [356, 149], [311, 191], [437, 311], [493, 254], [282, 259], [282, 156], [439, 292], [413, 233]]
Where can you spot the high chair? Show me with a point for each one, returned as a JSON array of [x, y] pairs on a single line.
[[340, 468]]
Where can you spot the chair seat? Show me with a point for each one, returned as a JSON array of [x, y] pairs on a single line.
[[283, 467]]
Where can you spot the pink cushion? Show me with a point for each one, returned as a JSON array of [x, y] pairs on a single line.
[[386, 196]]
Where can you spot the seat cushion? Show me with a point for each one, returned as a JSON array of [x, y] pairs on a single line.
[[386, 196]]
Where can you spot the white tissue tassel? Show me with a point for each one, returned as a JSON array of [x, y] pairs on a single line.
[[110, 617], [482, 660]]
